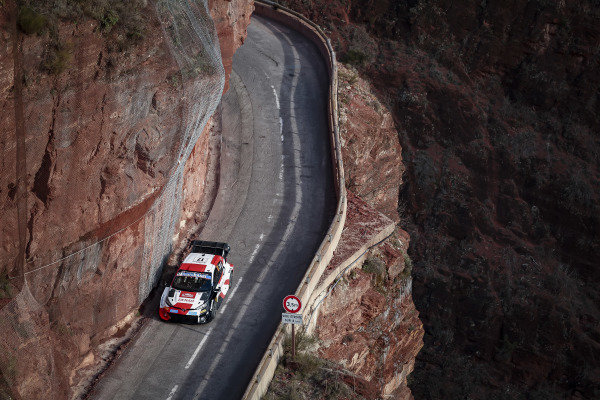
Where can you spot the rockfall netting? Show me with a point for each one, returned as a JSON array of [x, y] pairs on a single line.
[[65, 302], [195, 46]]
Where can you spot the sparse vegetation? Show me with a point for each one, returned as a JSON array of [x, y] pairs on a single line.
[[9, 369], [5, 287], [31, 22], [349, 77], [352, 274], [199, 65], [109, 19], [376, 266], [354, 57], [122, 22], [57, 59], [308, 376], [345, 99], [63, 330], [175, 79]]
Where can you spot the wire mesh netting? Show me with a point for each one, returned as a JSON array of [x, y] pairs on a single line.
[[73, 300]]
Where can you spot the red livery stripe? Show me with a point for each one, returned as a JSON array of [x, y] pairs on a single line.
[[193, 267], [184, 306]]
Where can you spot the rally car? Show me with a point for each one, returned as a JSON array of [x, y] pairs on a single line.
[[200, 284]]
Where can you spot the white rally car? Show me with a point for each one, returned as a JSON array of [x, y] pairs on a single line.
[[200, 284]]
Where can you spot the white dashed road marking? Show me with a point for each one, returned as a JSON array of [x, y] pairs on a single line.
[[173, 392]]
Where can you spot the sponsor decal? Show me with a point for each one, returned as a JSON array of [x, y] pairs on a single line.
[[203, 258], [194, 274], [188, 295], [184, 300], [174, 311]]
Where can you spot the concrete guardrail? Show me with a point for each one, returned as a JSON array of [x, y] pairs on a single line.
[[266, 368]]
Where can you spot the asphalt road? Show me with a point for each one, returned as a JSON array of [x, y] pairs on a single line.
[[275, 202]]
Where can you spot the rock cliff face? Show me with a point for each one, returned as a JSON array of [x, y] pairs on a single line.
[[99, 126], [371, 150], [369, 324], [497, 108]]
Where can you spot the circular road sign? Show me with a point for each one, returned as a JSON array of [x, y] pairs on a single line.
[[292, 304]]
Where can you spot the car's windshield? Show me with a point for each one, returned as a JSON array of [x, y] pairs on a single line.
[[192, 281]]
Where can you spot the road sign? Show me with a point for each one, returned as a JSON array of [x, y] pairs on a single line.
[[292, 304], [296, 319]]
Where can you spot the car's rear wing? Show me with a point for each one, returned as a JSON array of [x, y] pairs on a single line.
[[216, 248]]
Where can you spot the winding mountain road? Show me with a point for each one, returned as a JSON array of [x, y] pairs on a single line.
[[275, 202]]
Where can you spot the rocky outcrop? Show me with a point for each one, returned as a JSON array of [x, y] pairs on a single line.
[[99, 127], [368, 324], [231, 17], [370, 147]]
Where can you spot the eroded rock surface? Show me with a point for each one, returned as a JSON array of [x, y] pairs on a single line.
[[368, 324], [109, 163]]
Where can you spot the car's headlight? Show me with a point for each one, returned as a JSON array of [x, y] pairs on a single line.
[[200, 306], [170, 294]]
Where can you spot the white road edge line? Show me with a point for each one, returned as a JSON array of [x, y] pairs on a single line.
[[232, 293], [254, 253], [173, 392], [189, 363]]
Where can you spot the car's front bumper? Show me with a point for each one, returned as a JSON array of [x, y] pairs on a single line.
[[167, 313]]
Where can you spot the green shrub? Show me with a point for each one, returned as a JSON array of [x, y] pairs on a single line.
[[57, 60], [308, 365], [109, 19], [374, 265], [30, 22], [303, 342], [5, 288], [408, 265], [352, 274], [377, 268], [354, 57]]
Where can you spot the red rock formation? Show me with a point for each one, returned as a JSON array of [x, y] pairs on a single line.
[[231, 18], [368, 324], [371, 150], [102, 136]]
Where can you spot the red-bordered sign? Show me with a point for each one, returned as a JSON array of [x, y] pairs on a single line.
[[292, 304]]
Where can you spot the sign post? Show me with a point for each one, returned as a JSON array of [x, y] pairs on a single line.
[[292, 305]]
